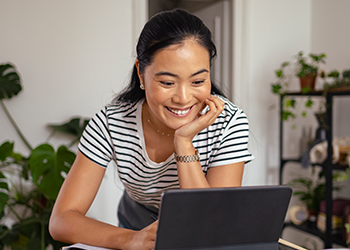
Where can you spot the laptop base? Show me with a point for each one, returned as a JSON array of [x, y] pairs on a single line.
[[255, 246]]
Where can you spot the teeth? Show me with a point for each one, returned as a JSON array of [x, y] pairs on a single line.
[[179, 112]]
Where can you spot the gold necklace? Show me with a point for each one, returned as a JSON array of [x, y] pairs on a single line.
[[158, 131], [150, 122]]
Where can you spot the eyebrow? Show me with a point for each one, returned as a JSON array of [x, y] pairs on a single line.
[[165, 73]]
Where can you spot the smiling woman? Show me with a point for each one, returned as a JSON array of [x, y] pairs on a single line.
[[158, 135]]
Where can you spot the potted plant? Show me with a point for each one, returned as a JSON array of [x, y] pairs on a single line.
[[311, 191], [306, 69], [335, 81], [30, 184], [332, 81]]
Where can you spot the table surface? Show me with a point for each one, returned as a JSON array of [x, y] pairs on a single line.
[[286, 245]]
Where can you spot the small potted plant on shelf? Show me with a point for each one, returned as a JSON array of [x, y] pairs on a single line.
[[335, 81], [311, 191], [332, 81], [303, 67]]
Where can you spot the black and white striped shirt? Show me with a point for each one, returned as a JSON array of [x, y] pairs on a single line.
[[224, 142]]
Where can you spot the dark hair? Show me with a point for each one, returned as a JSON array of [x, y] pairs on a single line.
[[162, 30]]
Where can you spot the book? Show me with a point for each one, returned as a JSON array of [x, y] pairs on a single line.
[[80, 246]]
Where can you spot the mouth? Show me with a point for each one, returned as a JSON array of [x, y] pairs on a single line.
[[180, 112]]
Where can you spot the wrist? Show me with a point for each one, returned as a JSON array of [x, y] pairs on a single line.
[[126, 238], [187, 158], [184, 148]]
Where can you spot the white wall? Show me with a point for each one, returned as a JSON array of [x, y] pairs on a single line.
[[72, 56], [266, 33]]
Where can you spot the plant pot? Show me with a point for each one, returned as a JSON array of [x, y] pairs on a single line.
[[312, 219], [307, 83]]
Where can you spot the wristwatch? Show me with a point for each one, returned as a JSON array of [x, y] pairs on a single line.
[[187, 158]]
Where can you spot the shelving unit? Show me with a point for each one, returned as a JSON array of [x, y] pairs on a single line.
[[328, 167]]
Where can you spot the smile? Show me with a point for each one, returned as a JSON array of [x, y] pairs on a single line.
[[179, 112]]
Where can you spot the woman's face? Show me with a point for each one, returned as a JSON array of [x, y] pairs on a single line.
[[176, 84]]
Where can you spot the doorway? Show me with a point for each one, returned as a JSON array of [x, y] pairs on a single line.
[[217, 16]]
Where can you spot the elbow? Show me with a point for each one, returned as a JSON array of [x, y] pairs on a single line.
[[57, 229], [54, 229]]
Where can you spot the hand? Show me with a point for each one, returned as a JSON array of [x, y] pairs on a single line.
[[188, 131], [143, 239]]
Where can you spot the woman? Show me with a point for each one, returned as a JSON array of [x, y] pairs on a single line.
[[171, 128]]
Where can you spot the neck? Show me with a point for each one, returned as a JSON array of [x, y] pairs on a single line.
[[154, 123]]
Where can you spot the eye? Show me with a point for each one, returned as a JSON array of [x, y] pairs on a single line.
[[198, 82], [166, 83]]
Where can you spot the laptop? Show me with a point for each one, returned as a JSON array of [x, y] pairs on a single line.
[[245, 218]]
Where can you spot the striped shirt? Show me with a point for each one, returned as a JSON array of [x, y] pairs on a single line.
[[116, 133]]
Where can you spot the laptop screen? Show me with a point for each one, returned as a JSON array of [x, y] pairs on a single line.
[[222, 218]]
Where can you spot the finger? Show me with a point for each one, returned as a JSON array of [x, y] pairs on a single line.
[[212, 106], [218, 102]]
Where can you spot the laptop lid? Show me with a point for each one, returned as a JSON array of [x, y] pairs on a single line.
[[222, 218]]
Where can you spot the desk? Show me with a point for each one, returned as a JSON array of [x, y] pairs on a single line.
[[286, 245], [282, 245]]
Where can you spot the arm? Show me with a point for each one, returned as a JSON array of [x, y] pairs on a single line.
[[190, 173], [69, 224]]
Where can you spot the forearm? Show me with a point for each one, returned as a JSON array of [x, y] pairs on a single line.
[[190, 173], [72, 227]]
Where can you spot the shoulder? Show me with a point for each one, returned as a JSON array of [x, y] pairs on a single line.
[[116, 115], [231, 112], [121, 109]]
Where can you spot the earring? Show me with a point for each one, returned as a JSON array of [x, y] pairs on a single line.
[[142, 86]]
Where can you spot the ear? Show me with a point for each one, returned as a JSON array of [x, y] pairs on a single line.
[[137, 64]]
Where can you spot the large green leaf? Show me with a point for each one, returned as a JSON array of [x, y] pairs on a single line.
[[74, 127], [6, 150], [10, 81], [47, 166], [7, 235]]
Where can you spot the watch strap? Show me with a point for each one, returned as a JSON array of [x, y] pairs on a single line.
[[187, 158]]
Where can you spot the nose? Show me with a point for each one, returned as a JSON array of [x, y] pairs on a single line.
[[182, 95]]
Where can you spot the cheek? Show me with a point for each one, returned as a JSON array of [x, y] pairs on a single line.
[[156, 96], [203, 93]]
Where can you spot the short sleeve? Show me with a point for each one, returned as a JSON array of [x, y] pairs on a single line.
[[95, 142], [233, 145]]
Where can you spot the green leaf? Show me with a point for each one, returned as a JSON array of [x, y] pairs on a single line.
[[279, 73], [6, 150], [333, 73], [46, 167], [309, 103], [346, 73], [287, 114], [303, 114], [305, 90], [10, 82], [8, 236], [74, 127], [290, 103], [276, 88], [285, 64]]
